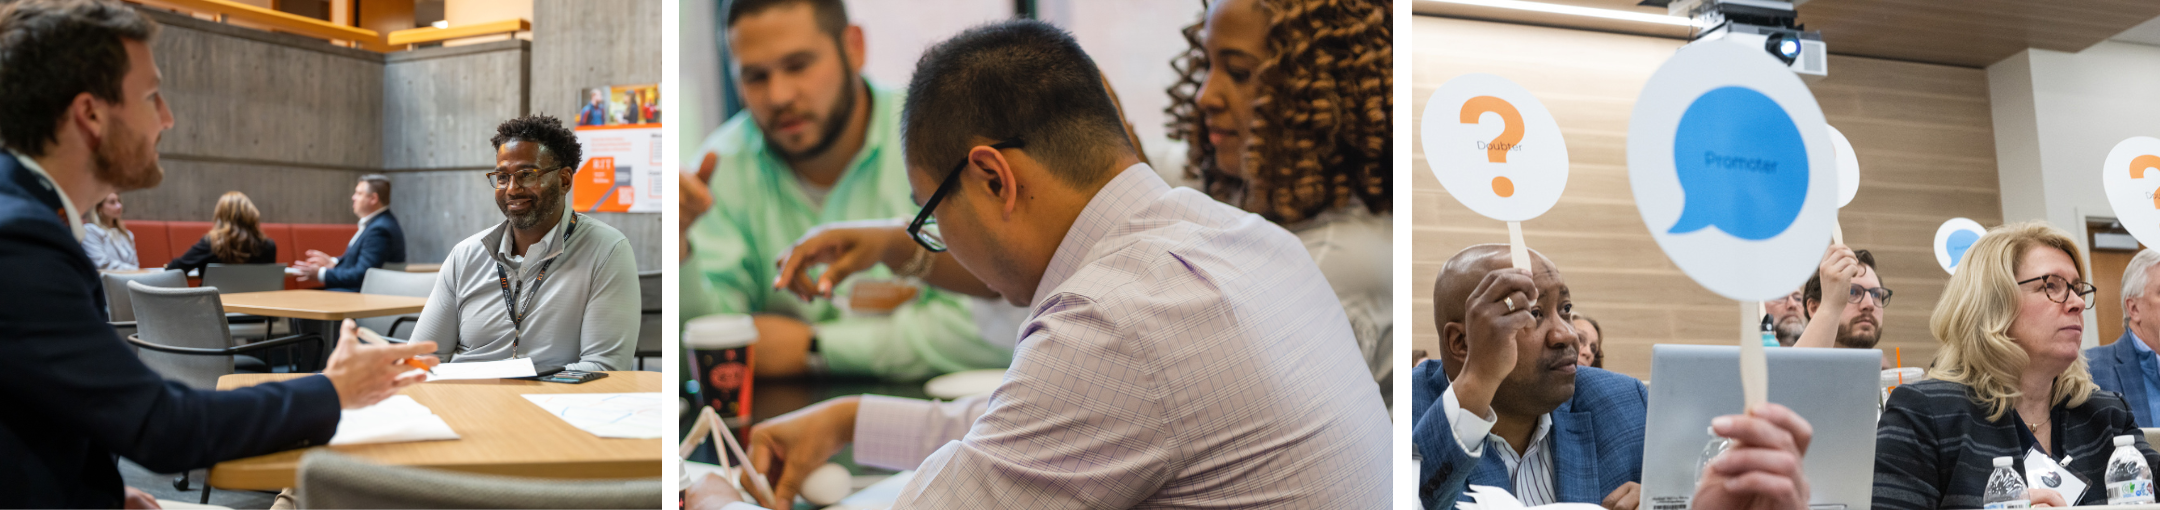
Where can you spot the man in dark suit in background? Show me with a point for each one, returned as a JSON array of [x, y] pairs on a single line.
[[81, 113], [379, 240], [2129, 366]]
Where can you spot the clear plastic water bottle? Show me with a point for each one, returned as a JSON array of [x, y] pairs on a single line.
[[1717, 446], [2128, 482], [2005, 488]]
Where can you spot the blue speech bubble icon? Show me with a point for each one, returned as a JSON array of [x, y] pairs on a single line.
[[1957, 244], [1741, 163]]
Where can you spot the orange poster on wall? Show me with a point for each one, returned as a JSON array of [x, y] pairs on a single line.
[[619, 128]]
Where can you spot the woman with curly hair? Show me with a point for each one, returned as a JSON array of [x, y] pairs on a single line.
[[236, 238], [1284, 106]]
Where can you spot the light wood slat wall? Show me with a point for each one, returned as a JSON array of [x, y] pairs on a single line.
[[1922, 132]]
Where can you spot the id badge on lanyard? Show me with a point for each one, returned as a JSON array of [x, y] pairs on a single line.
[[529, 292], [2042, 472]]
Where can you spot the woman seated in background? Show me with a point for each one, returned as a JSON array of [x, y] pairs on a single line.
[[1285, 107], [110, 245], [237, 238], [2009, 380]]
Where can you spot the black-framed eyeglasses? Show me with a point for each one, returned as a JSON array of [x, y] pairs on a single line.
[[1882, 295], [529, 178], [924, 229], [2059, 289]]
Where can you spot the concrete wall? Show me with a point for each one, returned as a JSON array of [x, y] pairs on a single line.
[[2067, 110], [440, 107], [288, 120], [579, 45], [293, 121]]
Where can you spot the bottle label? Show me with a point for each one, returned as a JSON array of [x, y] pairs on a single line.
[[2130, 491], [2015, 503]]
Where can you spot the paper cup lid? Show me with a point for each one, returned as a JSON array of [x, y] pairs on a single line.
[[720, 331]]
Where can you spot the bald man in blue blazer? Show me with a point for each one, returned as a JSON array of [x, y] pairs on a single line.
[[1506, 406]]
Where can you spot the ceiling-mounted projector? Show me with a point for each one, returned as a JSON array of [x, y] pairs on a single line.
[[1769, 25]]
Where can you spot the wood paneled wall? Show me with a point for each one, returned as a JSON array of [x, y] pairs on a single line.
[[1922, 133]]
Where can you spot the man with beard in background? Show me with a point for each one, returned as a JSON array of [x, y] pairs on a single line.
[[547, 283], [1848, 293], [1788, 317], [817, 144]]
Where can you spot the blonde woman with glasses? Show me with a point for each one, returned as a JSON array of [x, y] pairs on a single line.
[[2008, 380]]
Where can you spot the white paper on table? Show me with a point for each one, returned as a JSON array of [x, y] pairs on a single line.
[[614, 415], [1485, 497], [398, 419], [501, 369]]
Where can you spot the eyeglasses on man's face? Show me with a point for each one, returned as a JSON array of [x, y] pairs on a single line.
[[529, 178], [925, 229], [1882, 295]]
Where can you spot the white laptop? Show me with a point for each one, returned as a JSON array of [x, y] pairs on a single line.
[[1834, 389]]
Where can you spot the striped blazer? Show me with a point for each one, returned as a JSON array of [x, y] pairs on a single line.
[[1935, 448]]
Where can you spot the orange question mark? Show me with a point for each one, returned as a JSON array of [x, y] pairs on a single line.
[[1510, 135], [2137, 171]]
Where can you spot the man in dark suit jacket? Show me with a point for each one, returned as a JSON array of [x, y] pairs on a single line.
[[379, 240], [1507, 365], [2128, 366], [78, 397]]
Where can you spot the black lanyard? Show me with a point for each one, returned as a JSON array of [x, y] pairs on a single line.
[[510, 297]]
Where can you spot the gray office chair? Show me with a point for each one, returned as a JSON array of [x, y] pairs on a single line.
[[182, 334], [119, 309], [648, 339], [398, 283], [332, 480], [238, 278], [122, 311]]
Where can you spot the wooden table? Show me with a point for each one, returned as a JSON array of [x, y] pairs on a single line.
[[423, 268], [321, 305], [317, 312], [501, 433]]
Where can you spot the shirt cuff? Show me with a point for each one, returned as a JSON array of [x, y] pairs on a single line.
[[1470, 429], [320, 271], [898, 433]]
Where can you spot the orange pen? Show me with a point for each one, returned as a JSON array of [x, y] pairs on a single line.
[[370, 336]]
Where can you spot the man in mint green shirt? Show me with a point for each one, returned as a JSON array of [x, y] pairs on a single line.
[[815, 144]]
